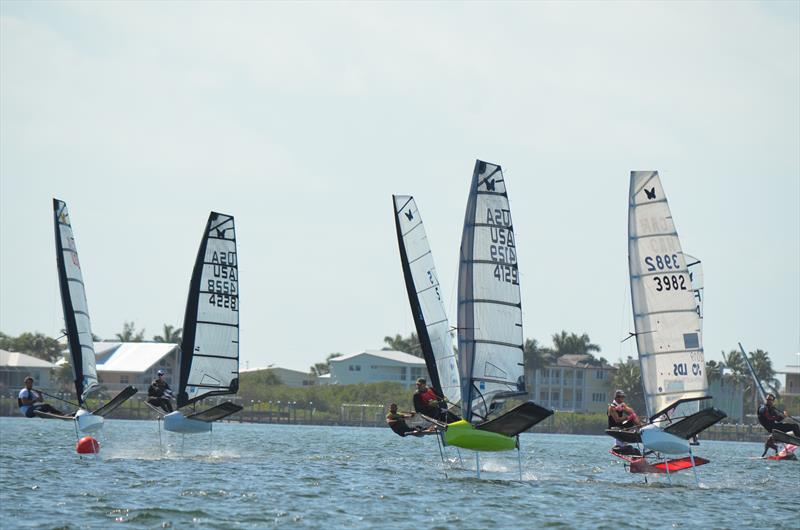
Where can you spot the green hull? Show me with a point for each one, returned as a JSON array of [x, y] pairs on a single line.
[[463, 434]]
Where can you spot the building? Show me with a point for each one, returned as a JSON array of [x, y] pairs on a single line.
[[792, 384], [287, 376], [372, 366], [120, 364], [574, 383], [15, 367]]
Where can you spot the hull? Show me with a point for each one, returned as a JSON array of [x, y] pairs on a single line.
[[177, 422], [88, 422], [638, 464], [464, 435]]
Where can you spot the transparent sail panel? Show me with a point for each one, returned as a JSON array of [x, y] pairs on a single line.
[[210, 348], [489, 307], [425, 297], [76, 310], [668, 326]]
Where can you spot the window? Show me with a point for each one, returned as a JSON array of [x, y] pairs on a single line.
[[554, 396], [355, 367], [579, 396], [543, 396], [600, 375], [123, 379], [598, 397], [579, 375]]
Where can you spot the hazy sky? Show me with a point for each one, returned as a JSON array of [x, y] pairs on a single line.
[[302, 119]]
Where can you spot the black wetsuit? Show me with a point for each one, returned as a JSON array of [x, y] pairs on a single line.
[[156, 395], [399, 425], [772, 420]]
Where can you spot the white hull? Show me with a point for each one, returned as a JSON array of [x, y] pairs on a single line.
[[177, 422], [663, 442], [88, 422]]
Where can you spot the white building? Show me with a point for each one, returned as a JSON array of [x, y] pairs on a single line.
[[120, 364], [15, 367], [372, 366]]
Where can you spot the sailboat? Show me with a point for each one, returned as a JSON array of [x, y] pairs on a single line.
[[209, 350], [790, 443], [668, 331], [489, 368], [78, 328]]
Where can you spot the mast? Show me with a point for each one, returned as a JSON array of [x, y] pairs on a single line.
[[490, 341], [424, 297], [665, 312], [73, 301], [209, 355]]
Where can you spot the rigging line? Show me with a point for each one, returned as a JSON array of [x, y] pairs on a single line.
[[58, 398]]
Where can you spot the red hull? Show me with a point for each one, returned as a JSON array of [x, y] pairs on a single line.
[[638, 464]]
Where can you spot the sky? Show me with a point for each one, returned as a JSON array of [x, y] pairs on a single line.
[[302, 119]]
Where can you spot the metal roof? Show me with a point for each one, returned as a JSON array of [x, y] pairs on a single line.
[[21, 360], [391, 355], [130, 356]]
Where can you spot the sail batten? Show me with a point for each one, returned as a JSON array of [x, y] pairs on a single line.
[[425, 299], [73, 300], [668, 327], [489, 302], [209, 354]]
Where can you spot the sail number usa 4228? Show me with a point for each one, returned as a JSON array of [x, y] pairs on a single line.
[[223, 286]]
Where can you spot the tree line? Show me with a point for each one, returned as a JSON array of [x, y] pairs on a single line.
[[41, 346]]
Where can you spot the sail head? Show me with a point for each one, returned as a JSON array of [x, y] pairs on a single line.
[[209, 354], [425, 298], [666, 319], [73, 300], [490, 340]]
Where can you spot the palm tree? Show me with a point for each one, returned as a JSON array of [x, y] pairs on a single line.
[[171, 335], [323, 368], [129, 333], [714, 370], [628, 377], [409, 345], [570, 343], [535, 355]]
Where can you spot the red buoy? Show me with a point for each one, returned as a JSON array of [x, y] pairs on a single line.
[[87, 445]]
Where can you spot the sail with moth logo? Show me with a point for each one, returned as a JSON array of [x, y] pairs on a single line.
[[666, 296], [209, 350]]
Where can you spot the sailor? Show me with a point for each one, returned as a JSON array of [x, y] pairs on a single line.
[[159, 393], [772, 419], [426, 401], [397, 422], [620, 414], [30, 401]]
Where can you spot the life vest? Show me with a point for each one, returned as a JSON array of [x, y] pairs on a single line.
[[428, 396]]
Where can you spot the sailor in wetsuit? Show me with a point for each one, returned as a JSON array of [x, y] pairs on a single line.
[[622, 416], [772, 419], [28, 399], [428, 403], [396, 421], [159, 393]]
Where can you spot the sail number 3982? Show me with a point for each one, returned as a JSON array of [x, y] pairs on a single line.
[[670, 282]]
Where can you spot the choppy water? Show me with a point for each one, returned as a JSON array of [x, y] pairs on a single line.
[[257, 476]]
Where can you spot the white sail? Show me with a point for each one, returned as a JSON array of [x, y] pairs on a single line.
[[425, 297], [668, 326], [695, 268], [490, 340], [76, 310], [210, 346]]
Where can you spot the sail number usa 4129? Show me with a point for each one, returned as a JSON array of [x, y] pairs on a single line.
[[502, 249]]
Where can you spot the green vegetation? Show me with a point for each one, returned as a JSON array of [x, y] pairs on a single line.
[[35, 344]]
